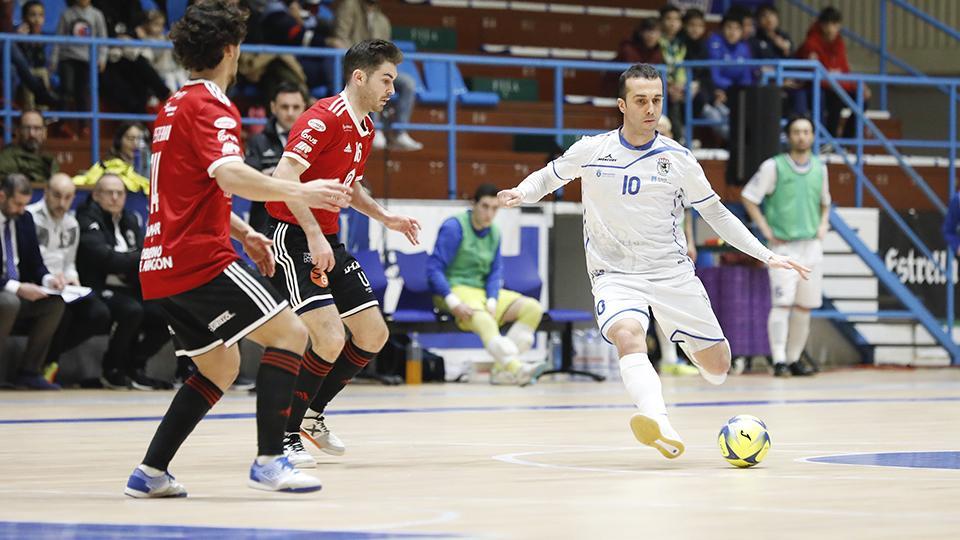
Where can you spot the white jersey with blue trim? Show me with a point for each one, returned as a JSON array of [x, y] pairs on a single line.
[[633, 201]]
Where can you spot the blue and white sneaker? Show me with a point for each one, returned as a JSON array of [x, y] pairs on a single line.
[[141, 485], [279, 475]]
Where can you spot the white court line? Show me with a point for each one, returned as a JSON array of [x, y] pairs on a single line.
[[444, 517]]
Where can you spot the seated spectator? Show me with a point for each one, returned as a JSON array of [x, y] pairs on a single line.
[[26, 155], [129, 83], [825, 44], [265, 148], [162, 60], [357, 20], [642, 47], [58, 234], [128, 159], [24, 306], [73, 61], [111, 239], [772, 43], [30, 60], [465, 272], [729, 46], [694, 40], [674, 51]]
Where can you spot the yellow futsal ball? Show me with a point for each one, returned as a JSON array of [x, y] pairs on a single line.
[[744, 440]]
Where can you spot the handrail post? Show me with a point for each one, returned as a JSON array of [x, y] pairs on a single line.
[[94, 104], [7, 93], [451, 135], [338, 82], [816, 109], [883, 53], [853, 114], [558, 104], [952, 182], [688, 111]]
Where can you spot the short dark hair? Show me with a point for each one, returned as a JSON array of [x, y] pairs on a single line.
[[206, 28], [767, 8], [29, 4], [287, 87], [16, 183], [691, 14], [367, 55], [485, 190], [121, 132], [636, 71], [731, 18], [669, 8], [794, 118], [829, 14]]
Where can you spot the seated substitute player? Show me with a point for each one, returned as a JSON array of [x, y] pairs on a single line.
[[209, 297], [465, 272], [324, 282], [635, 185], [795, 193]]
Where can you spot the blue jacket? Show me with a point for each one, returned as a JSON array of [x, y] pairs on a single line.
[[951, 225], [30, 267], [445, 250], [731, 75]]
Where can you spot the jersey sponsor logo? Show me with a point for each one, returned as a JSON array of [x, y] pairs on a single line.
[[221, 320], [348, 127], [152, 230], [608, 157], [305, 135], [224, 136], [230, 149], [169, 109], [319, 277], [179, 94], [348, 149], [663, 166], [317, 124], [602, 174], [162, 133], [302, 147], [224, 122], [351, 267], [152, 258]]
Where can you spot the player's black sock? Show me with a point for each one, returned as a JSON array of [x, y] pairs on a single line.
[[275, 381], [312, 375], [197, 395], [352, 359]]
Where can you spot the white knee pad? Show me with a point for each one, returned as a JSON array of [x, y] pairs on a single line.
[[502, 349], [522, 336]]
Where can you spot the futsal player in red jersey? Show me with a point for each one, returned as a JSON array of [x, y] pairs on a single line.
[[325, 284], [188, 266]]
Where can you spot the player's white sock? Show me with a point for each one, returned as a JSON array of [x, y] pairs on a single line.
[[643, 384], [799, 330], [521, 335], [668, 350], [777, 325], [151, 471]]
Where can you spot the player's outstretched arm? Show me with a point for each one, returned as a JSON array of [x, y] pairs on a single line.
[[368, 206], [735, 233], [533, 188], [241, 179]]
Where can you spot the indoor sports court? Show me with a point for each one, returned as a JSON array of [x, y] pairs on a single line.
[[855, 454]]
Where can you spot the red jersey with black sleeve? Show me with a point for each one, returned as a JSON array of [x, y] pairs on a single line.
[[332, 143], [187, 240]]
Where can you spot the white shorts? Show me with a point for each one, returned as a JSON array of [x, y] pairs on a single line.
[[787, 288], [680, 305]]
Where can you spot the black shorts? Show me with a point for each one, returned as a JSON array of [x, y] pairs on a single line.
[[222, 311], [346, 285]]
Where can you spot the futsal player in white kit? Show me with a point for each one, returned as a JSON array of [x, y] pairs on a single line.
[[635, 185]]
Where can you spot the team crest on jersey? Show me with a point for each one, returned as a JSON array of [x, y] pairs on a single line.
[[663, 166], [317, 124]]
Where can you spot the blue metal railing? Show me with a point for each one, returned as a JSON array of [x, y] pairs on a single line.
[[796, 69]]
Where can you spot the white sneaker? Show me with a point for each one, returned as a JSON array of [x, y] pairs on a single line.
[[279, 475], [296, 454], [379, 141], [515, 372], [657, 432], [315, 430], [405, 142], [141, 485]]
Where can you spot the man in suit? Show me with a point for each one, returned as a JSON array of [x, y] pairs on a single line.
[[24, 306]]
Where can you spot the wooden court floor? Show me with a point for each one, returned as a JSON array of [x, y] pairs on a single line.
[[856, 454]]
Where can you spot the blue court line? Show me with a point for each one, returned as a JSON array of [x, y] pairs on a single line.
[[497, 408], [98, 531], [916, 460]]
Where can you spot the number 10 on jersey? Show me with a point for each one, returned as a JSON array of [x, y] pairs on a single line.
[[631, 185]]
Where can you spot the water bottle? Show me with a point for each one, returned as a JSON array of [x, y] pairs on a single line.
[[596, 361], [556, 351], [138, 157], [613, 363], [414, 360], [579, 350]]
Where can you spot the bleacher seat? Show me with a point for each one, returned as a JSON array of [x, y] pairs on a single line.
[[435, 73], [424, 94], [520, 274], [415, 295]]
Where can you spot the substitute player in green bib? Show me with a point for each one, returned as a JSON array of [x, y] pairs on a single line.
[[465, 273], [795, 194]]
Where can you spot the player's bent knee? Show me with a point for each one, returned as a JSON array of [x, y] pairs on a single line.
[[715, 358], [629, 337]]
